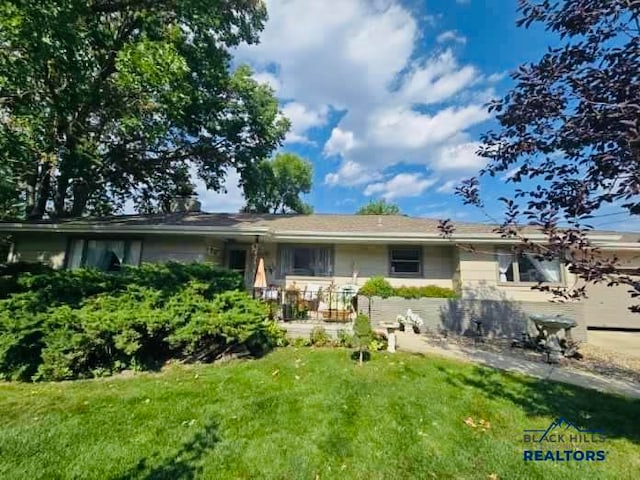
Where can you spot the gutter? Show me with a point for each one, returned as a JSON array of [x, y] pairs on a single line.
[[603, 241], [417, 237], [132, 229]]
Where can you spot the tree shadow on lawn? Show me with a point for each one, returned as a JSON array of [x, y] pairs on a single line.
[[183, 465], [615, 416]]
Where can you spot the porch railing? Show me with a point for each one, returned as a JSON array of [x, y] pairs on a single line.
[[330, 304]]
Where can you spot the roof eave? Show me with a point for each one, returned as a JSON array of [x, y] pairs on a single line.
[[416, 237], [132, 229]]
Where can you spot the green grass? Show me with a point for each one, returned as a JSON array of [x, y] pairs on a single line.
[[304, 414]]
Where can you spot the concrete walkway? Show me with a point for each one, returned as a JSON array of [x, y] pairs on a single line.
[[303, 329], [417, 343]]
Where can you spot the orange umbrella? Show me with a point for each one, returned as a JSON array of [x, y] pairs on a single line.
[[261, 276]]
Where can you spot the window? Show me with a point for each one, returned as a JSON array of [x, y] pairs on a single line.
[[405, 262], [311, 261], [527, 268], [103, 254]]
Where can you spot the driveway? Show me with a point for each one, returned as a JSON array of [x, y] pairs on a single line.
[[419, 344], [627, 343]]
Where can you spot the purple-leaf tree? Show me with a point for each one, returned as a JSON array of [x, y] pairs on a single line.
[[569, 135]]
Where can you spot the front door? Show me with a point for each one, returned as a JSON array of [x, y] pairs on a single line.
[[238, 261]]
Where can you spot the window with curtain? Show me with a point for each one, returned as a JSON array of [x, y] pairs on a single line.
[[310, 261], [104, 254], [527, 268], [405, 261]]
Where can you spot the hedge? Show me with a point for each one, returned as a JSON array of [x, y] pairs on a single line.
[[60, 325], [380, 287]]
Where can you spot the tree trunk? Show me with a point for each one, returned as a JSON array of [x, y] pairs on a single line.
[[80, 199], [41, 192], [60, 195], [361, 357], [30, 193]]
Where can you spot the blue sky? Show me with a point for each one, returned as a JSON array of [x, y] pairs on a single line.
[[386, 98]]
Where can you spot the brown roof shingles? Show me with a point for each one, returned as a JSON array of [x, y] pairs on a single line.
[[297, 223]]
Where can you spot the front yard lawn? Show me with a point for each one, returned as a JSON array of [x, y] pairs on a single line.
[[306, 414]]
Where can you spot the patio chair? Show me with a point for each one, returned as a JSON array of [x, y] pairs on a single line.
[[311, 297]]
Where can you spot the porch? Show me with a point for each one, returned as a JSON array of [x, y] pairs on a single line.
[[329, 304], [309, 267]]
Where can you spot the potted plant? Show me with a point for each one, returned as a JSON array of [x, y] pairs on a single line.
[[410, 322]]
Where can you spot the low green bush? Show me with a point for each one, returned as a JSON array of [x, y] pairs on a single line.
[[376, 287], [300, 342], [345, 339], [11, 272], [378, 342], [72, 287], [428, 291], [188, 312], [380, 287], [319, 337], [21, 343], [213, 327]]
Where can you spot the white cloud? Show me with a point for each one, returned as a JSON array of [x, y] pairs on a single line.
[[269, 78], [345, 202], [302, 119], [351, 174], [231, 201], [496, 77], [448, 187], [509, 174], [437, 80], [362, 57], [461, 158], [444, 213], [451, 36], [340, 142], [402, 185], [403, 128]]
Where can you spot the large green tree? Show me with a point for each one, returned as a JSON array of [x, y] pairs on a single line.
[[276, 185], [379, 207], [107, 100]]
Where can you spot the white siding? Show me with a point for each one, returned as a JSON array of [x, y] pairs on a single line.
[[479, 278], [49, 248], [174, 248], [373, 260], [608, 307]]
